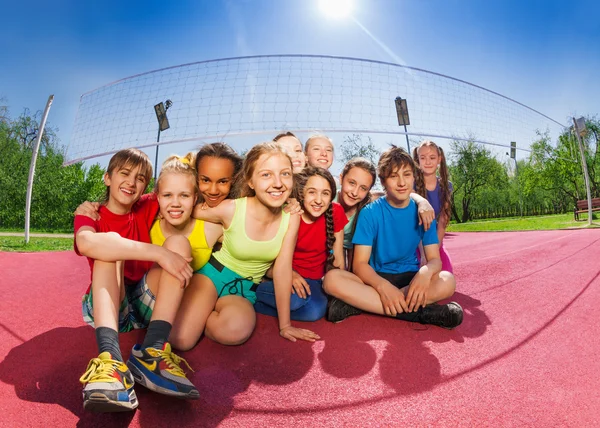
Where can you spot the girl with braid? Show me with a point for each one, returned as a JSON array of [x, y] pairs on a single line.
[[431, 160], [357, 179], [319, 248]]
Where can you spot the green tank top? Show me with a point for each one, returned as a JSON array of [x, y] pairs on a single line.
[[244, 256]]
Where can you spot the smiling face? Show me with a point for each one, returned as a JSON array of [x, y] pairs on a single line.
[[399, 185], [293, 147], [319, 152], [127, 184], [176, 198], [317, 196], [272, 179], [429, 159], [215, 176], [356, 184]]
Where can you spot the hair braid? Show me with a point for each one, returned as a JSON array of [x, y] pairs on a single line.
[[330, 239]]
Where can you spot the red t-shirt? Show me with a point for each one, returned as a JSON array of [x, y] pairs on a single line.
[[134, 225], [310, 254]]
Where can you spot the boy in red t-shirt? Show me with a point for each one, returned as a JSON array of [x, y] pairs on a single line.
[[119, 252]]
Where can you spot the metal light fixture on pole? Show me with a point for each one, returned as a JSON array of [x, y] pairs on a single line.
[[403, 119], [163, 123], [579, 127]]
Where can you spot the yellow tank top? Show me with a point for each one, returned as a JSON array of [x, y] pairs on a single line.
[[200, 250], [244, 256]]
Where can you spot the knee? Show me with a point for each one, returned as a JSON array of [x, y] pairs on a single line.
[[178, 244], [331, 282], [449, 281], [297, 302], [233, 331]]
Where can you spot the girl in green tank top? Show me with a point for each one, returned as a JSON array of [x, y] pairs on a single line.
[[257, 234]]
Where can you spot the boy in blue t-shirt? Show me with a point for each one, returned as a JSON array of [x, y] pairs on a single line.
[[387, 279]]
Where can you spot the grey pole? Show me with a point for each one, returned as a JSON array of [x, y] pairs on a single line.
[[156, 157], [36, 148], [585, 172]]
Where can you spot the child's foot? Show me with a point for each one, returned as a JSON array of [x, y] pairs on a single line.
[[108, 386], [159, 370], [338, 311], [446, 316]]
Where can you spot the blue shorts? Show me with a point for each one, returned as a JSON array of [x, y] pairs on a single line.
[[135, 310], [227, 282]]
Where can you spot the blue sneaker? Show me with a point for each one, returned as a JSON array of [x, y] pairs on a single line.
[[108, 386], [159, 370]]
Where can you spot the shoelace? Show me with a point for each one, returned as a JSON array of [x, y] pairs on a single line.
[[173, 361], [233, 286], [99, 370]]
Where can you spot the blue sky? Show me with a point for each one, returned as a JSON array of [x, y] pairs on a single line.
[[543, 53]]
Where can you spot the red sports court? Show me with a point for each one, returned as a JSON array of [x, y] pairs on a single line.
[[525, 355]]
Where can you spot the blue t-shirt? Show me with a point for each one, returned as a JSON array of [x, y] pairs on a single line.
[[394, 235], [434, 197]]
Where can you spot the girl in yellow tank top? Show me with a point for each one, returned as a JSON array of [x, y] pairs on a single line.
[[256, 233]]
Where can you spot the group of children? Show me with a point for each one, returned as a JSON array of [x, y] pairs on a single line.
[[222, 238]]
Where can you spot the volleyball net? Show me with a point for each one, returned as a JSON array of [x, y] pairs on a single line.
[[259, 96]]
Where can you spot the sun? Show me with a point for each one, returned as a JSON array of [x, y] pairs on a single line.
[[336, 9]]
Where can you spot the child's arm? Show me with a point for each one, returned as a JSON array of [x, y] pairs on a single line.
[[111, 247], [419, 286], [426, 212], [221, 214], [441, 227], [338, 250], [391, 297], [282, 281]]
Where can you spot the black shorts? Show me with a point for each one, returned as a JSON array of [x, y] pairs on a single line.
[[399, 280]]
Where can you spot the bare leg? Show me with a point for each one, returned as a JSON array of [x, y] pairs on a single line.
[[197, 304], [232, 321], [108, 291], [348, 287], [164, 286]]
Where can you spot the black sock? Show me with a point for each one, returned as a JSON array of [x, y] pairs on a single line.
[[108, 341], [157, 334]]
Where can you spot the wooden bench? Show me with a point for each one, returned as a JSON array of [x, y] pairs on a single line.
[[582, 207]]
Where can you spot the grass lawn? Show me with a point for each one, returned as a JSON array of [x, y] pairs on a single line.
[[17, 244], [548, 222]]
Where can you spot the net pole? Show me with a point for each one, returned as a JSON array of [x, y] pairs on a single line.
[[36, 148], [585, 172]]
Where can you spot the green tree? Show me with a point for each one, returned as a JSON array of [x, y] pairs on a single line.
[[354, 146], [57, 190], [477, 176]]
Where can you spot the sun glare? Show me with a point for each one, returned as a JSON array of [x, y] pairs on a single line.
[[336, 9]]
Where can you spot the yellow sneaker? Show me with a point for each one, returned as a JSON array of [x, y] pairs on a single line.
[[159, 370], [108, 386]]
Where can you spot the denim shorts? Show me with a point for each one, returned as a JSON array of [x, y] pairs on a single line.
[[227, 282], [135, 310]]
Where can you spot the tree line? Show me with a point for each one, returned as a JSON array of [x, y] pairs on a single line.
[[549, 181]]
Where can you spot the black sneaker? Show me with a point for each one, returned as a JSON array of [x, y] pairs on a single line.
[[446, 316], [338, 310]]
